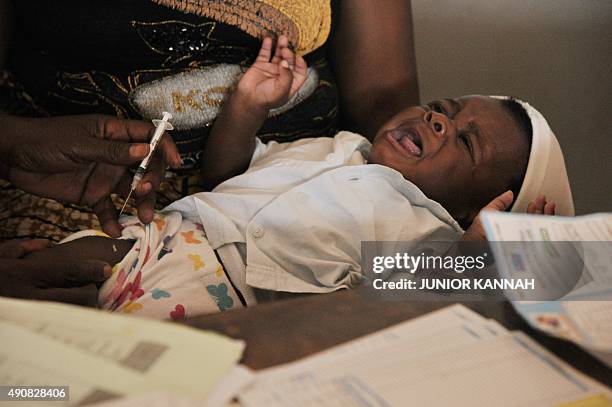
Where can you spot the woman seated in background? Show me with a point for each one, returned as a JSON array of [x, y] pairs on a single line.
[[135, 59]]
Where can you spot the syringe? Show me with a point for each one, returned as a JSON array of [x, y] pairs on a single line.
[[161, 126]]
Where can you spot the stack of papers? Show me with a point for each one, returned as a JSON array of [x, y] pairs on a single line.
[[584, 315], [101, 356], [451, 357]]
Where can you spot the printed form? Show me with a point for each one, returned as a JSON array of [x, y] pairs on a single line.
[[451, 363], [119, 354], [584, 315]]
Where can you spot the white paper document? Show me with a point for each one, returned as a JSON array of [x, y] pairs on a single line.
[[100, 355], [568, 257], [430, 365], [424, 331], [584, 315]]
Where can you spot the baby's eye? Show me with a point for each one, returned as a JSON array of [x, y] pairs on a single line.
[[465, 139], [437, 107]]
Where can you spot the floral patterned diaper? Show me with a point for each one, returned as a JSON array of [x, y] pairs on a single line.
[[171, 272]]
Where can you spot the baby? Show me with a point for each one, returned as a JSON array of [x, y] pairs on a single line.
[[291, 217]]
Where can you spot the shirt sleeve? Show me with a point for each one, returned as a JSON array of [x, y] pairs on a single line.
[[265, 149]]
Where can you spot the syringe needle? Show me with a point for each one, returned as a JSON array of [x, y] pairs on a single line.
[[126, 202], [161, 126]]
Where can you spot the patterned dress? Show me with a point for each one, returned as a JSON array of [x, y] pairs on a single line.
[[136, 58]]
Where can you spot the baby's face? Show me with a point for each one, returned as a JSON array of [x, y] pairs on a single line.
[[460, 152]]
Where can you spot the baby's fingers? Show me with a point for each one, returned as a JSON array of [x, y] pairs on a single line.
[[281, 43], [540, 202], [537, 207], [288, 56], [540, 206], [265, 53]]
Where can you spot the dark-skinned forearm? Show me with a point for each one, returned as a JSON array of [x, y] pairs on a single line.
[[6, 136], [5, 31], [6, 26], [229, 148], [372, 53], [4, 168], [7, 140]]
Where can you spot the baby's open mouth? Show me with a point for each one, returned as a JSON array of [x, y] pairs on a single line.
[[409, 140]]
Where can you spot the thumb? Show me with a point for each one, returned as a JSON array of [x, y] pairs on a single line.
[[111, 152], [500, 203]]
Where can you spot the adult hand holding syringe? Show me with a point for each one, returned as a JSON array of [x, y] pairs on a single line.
[[83, 159], [161, 126]]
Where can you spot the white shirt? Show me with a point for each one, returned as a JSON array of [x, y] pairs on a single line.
[[301, 210]]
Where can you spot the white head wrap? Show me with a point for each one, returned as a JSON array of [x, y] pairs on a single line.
[[546, 174]]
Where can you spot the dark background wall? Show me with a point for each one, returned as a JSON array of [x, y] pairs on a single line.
[[556, 54]]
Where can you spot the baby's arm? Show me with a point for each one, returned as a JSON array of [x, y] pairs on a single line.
[[267, 84]]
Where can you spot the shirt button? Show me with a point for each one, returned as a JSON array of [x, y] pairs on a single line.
[[257, 232]]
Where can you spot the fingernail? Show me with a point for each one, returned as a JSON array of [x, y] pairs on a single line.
[[139, 150], [108, 271], [285, 64]]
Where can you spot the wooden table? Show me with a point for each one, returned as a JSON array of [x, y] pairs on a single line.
[[287, 330]]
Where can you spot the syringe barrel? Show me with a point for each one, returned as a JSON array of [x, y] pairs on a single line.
[[161, 126], [159, 131], [138, 176]]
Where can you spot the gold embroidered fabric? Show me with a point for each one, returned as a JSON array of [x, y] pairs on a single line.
[[306, 23], [195, 97]]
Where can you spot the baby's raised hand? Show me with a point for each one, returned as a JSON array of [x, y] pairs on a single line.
[[273, 78], [501, 203]]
